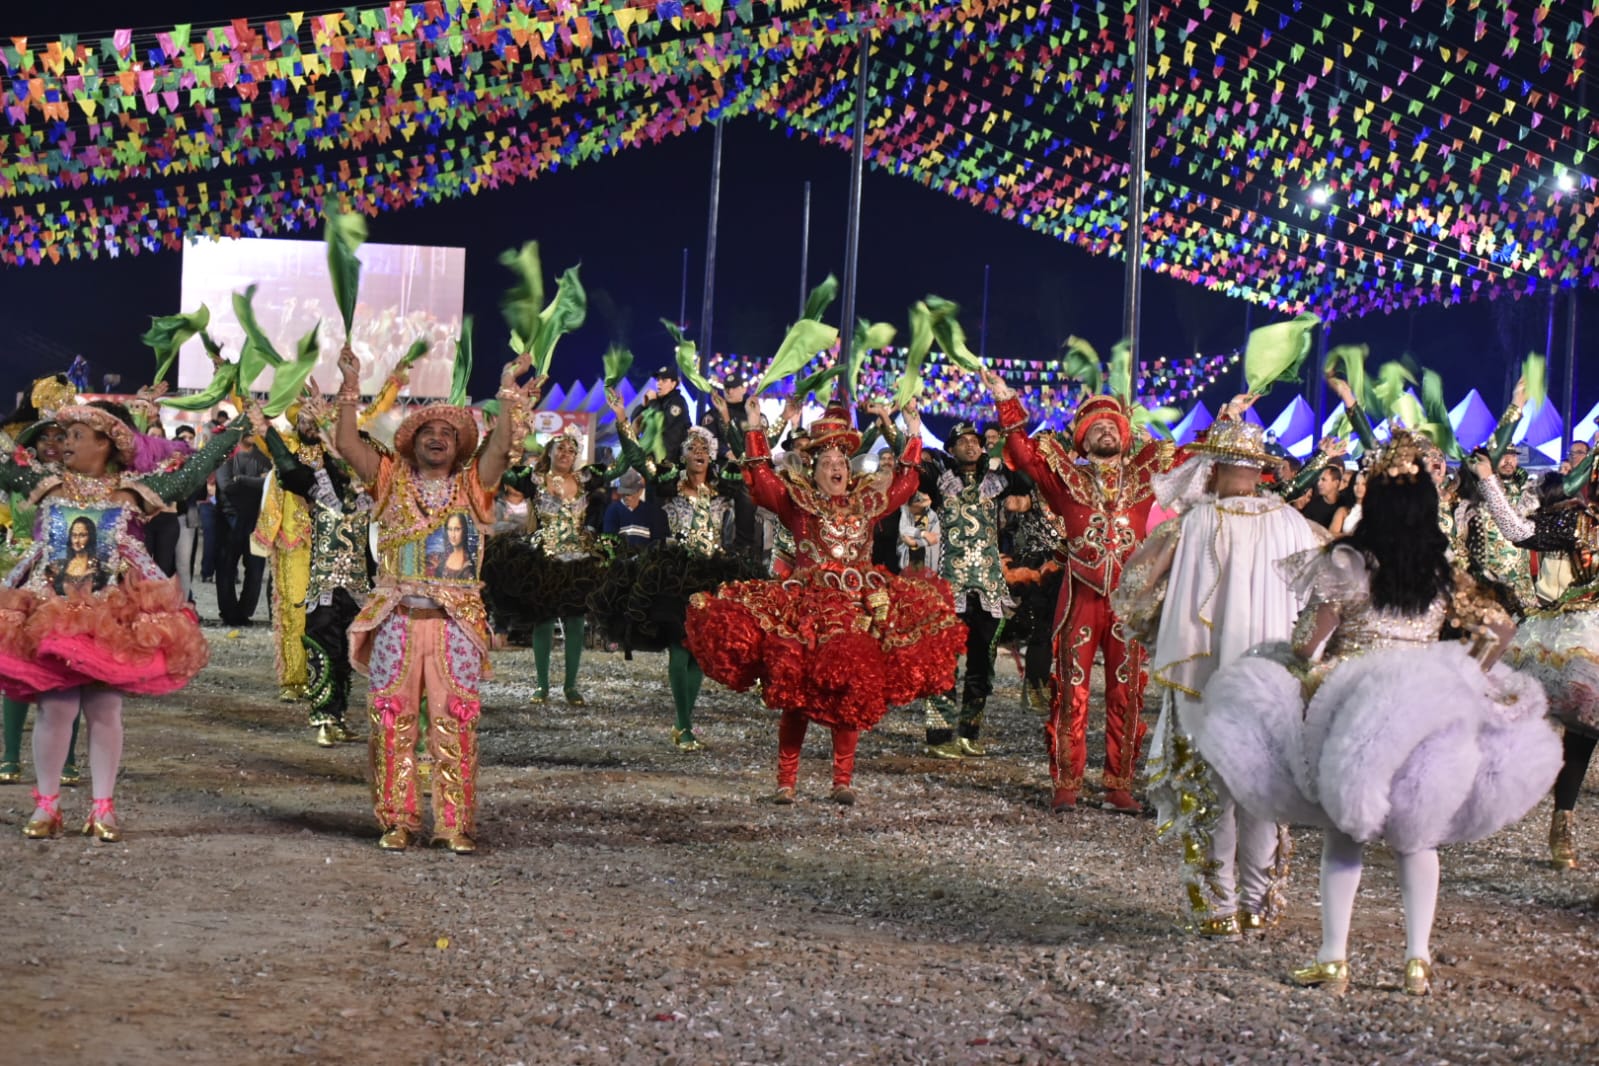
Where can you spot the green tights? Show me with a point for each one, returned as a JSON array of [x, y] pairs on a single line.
[[685, 677], [15, 713], [544, 641]]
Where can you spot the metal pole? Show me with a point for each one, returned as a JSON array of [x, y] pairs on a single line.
[[852, 232], [1569, 406], [1549, 334], [682, 296], [709, 295], [1249, 327], [1570, 412], [1321, 381], [1548, 342], [805, 251], [1133, 239], [982, 326]]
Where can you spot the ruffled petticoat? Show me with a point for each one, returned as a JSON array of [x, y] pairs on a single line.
[[841, 644], [1561, 649], [643, 597], [138, 636], [524, 586], [1415, 745]]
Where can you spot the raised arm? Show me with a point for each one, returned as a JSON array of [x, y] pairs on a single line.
[[632, 455], [1357, 414], [186, 480], [1331, 448], [1020, 449], [362, 457], [1499, 443], [292, 474], [907, 477], [1514, 527], [766, 488], [516, 401]]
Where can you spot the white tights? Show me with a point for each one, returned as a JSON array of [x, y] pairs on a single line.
[[1340, 879], [52, 736]]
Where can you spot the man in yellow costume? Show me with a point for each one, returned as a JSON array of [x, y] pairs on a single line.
[[283, 536]]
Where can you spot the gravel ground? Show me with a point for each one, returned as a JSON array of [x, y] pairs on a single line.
[[632, 904]]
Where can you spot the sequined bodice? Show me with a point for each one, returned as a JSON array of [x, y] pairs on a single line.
[[697, 519], [1363, 628], [561, 531], [839, 533], [86, 541]]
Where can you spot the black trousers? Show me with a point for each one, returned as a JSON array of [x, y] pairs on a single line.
[[161, 538], [237, 605], [1039, 600]]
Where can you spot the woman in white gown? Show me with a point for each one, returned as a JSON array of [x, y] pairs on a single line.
[[1372, 727]]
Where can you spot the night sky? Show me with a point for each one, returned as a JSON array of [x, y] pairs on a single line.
[[628, 219]]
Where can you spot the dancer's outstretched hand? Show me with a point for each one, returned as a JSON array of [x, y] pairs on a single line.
[[996, 386], [350, 367], [913, 418]]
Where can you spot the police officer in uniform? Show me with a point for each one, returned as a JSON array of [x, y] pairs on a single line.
[[665, 398]]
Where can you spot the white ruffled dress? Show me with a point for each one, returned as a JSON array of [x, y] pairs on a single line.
[[1405, 738]]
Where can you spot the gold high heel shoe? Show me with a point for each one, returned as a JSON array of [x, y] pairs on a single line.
[[685, 740], [1418, 977], [1335, 975], [102, 822], [10, 772], [1563, 840], [48, 827], [1226, 925], [574, 698], [540, 697]]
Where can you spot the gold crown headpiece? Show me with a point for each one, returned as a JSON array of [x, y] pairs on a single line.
[[50, 394], [1400, 459]]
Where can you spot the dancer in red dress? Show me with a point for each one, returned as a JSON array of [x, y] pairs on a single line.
[[839, 640]]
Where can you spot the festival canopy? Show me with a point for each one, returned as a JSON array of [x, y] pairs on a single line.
[[1587, 426], [1196, 421], [1347, 156], [1541, 431], [1295, 428], [1473, 421]]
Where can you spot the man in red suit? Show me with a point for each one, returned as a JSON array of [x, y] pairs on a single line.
[[1101, 490]]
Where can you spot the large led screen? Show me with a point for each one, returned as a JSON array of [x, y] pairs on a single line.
[[407, 291]]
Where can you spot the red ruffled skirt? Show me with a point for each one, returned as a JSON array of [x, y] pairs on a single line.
[[841, 644], [139, 636]]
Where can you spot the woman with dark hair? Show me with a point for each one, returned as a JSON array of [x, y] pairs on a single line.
[[1372, 727], [644, 598], [1559, 643], [80, 633], [545, 576]]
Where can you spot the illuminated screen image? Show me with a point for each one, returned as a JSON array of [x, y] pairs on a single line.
[[407, 291]]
